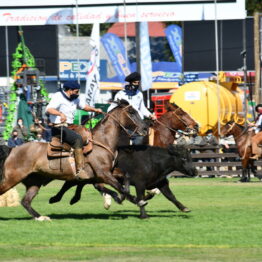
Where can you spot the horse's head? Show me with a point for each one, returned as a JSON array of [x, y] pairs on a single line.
[[181, 120], [228, 129], [128, 118], [182, 160]]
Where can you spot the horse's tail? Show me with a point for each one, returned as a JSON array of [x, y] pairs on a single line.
[[4, 153]]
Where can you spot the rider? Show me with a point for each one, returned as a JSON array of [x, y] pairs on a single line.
[[61, 109], [257, 138], [134, 96]]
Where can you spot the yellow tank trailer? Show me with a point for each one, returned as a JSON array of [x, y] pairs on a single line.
[[200, 100]]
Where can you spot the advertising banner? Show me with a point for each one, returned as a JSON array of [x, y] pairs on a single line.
[[174, 37], [145, 57], [116, 52], [92, 76]]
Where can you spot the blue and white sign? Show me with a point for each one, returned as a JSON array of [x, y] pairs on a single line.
[[116, 51], [174, 37], [68, 69]]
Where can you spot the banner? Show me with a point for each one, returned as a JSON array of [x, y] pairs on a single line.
[[145, 57], [15, 13], [174, 37], [116, 52], [92, 76]]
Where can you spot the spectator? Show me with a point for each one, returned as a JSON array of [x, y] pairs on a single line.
[[37, 128], [14, 140], [21, 129], [39, 138]]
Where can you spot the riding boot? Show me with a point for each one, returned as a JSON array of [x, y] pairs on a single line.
[[80, 162]]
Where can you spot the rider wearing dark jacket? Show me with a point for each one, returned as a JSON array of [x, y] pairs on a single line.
[[61, 109]]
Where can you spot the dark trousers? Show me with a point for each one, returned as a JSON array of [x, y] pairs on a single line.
[[69, 136]]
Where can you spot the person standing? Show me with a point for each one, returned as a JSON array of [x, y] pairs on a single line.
[[61, 110], [134, 97], [21, 129]]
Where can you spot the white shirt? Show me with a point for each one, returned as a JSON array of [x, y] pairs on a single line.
[[136, 101], [258, 124], [65, 106]]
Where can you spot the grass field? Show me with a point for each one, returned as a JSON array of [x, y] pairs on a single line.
[[225, 225]]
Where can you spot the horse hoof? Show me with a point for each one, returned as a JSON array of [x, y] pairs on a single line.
[[52, 200], [142, 203], [43, 218], [107, 201], [186, 210], [73, 201], [144, 217]]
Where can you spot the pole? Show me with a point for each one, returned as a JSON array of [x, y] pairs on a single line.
[[7, 58], [217, 70], [77, 44], [244, 55], [125, 29], [257, 58]]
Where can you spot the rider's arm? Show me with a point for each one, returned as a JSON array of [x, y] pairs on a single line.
[[53, 111], [144, 110], [92, 109]]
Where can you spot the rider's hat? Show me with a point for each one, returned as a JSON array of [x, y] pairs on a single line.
[[257, 106], [135, 76], [71, 85]]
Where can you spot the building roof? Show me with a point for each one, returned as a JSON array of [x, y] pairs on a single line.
[[156, 29]]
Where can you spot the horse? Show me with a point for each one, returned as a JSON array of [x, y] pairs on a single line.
[[174, 120], [242, 137], [30, 165]]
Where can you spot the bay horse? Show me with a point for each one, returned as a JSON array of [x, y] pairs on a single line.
[[242, 137], [175, 119], [30, 165]]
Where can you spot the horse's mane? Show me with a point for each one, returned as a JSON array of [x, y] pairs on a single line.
[[4, 153], [243, 128]]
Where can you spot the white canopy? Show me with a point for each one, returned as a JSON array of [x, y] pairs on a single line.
[[39, 12]]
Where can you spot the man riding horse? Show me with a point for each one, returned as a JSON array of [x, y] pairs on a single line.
[[257, 138], [61, 109]]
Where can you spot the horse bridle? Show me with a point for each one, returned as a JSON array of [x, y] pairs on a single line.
[[232, 126], [173, 129], [125, 129]]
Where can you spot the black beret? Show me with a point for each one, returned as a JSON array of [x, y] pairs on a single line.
[[135, 76], [257, 106], [71, 85]]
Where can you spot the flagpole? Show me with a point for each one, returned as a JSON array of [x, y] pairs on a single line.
[[77, 44]]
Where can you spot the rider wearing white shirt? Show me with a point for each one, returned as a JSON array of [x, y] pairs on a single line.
[[61, 110], [134, 96]]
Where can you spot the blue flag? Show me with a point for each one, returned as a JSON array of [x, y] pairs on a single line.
[[174, 37], [116, 51]]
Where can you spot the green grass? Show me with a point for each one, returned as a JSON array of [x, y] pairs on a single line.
[[224, 225]]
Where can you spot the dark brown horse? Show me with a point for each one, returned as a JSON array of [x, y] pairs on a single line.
[[242, 138], [174, 120], [30, 165]]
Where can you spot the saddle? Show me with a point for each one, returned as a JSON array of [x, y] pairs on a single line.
[[56, 149]]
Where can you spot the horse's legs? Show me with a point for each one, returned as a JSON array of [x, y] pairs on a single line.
[[31, 192], [12, 178], [165, 190], [33, 184], [102, 189], [78, 192], [244, 177], [140, 193], [66, 186]]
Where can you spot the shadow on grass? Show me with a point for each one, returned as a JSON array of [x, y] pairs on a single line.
[[117, 215]]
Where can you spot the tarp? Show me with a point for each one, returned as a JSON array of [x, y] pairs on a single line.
[[109, 13]]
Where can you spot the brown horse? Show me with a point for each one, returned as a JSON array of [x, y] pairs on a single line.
[[242, 138], [174, 120], [30, 165]]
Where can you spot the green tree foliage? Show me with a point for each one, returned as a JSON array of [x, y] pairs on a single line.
[[253, 6]]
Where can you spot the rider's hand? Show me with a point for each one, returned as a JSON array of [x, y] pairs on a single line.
[[99, 110], [62, 118], [153, 117]]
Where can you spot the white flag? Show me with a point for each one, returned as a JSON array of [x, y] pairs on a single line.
[[93, 77]]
